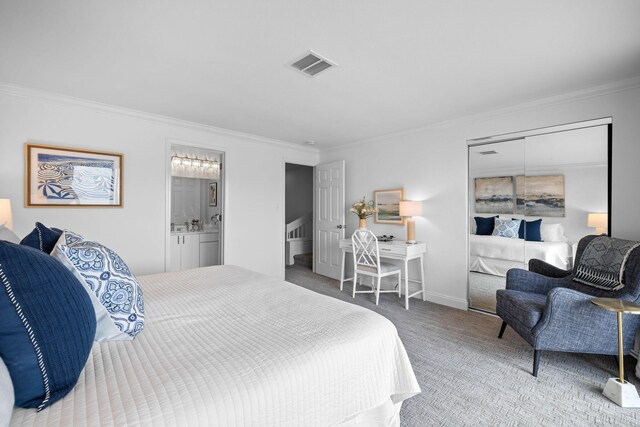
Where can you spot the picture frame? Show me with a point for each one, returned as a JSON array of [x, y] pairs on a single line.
[[387, 204], [213, 194], [494, 195], [70, 177]]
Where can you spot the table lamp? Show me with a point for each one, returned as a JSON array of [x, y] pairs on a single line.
[[599, 221], [409, 209], [6, 218]]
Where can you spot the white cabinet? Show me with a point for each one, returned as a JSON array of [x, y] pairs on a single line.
[[185, 252], [209, 249], [193, 250]]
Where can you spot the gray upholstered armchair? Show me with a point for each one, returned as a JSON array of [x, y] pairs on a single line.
[[551, 311]]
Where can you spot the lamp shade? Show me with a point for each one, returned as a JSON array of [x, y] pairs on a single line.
[[6, 218], [598, 220], [410, 208]]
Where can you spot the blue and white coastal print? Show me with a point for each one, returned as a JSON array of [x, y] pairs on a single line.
[[115, 293], [75, 178]]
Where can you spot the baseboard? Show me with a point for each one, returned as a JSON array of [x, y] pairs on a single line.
[[442, 299]]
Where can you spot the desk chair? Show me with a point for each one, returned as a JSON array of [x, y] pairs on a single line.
[[366, 261]]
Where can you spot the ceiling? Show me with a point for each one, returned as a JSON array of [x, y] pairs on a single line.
[[401, 64]]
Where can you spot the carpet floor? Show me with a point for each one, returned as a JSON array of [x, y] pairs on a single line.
[[469, 377]]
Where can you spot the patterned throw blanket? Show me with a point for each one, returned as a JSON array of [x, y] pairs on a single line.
[[603, 261]]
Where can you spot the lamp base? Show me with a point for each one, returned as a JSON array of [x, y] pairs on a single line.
[[411, 230], [624, 395]]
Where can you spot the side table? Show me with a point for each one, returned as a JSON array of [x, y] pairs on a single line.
[[617, 389]]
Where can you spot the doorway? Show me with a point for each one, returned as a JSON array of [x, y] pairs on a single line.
[[195, 205], [298, 217]]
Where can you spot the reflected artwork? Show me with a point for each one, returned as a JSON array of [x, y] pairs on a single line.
[[540, 195], [494, 195]]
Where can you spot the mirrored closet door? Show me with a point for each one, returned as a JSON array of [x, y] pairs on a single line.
[[533, 196]]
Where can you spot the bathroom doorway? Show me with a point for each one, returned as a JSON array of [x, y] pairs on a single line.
[[196, 208], [298, 217]]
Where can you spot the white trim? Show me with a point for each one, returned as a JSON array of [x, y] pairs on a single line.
[[447, 300], [85, 104], [539, 131], [578, 95]]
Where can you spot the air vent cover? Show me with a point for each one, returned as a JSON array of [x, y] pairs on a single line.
[[312, 64], [486, 153]]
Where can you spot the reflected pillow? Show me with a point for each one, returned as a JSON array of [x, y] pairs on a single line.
[[42, 238], [506, 228], [485, 226], [114, 291], [530, 230], [552, 233]]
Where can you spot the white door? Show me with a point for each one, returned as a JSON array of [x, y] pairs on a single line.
[[190, 248], [329, 217]]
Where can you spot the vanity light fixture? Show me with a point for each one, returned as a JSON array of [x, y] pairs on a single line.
[[188, 167]]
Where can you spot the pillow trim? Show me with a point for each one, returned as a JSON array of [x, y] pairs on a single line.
[[40, 237], [32, 338]]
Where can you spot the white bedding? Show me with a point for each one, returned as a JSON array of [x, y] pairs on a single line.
[[225, 346], [496, 255]]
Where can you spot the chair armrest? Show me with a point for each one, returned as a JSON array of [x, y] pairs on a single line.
[[570, 322], [546, 269], [527, 281]]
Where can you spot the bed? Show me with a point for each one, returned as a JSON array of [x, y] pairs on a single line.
[[495, 255], [226, 346]]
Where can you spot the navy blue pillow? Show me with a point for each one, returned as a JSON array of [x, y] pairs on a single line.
[[47, 328], [532, 230], [42, 238], [484, 226]]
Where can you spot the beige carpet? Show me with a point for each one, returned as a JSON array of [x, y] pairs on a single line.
[[469, 377]]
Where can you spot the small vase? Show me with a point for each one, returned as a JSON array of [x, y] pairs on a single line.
[[363, 223]]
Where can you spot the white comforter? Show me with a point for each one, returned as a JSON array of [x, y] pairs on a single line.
[[517, 250], [225, 346]]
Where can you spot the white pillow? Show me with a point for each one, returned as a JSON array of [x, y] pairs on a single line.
[[8, 235], [552, 232], [115, 293], [6, 395]]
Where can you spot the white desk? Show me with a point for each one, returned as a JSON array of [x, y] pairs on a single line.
[[398, 250]]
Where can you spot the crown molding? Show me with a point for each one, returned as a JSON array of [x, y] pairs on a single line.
[[592, 92], [60, 99]]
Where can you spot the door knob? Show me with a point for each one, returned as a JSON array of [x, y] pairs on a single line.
[[341, 226]]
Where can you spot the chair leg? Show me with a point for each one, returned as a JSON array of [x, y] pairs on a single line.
[[378, 290], [355, 283], [536, 362], [399, 284], [502, 328]]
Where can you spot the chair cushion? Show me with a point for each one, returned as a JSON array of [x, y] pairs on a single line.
[[385, 267], [524, 307], [47, 325]]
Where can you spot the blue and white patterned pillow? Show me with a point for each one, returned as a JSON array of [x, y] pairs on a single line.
[[115, 293], [506, 228]]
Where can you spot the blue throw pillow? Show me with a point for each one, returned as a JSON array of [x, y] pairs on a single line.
[[47, 326], [506, 228], [42, 238], [114, 291], [485, 226], [530, 230]]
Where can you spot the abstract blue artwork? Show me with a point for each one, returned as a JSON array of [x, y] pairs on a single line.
[[66, 177]]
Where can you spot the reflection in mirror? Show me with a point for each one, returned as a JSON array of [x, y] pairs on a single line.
[[558, 180]]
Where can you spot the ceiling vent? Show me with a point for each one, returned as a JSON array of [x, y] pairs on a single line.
[[313, 64], [486, 153]]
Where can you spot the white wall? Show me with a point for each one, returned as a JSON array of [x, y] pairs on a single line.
[[254, 174], [431, 164], [299, 191]]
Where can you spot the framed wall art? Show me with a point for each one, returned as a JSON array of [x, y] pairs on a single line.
[[69, 177], [213, 194], [494, 195], [387, 203]]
